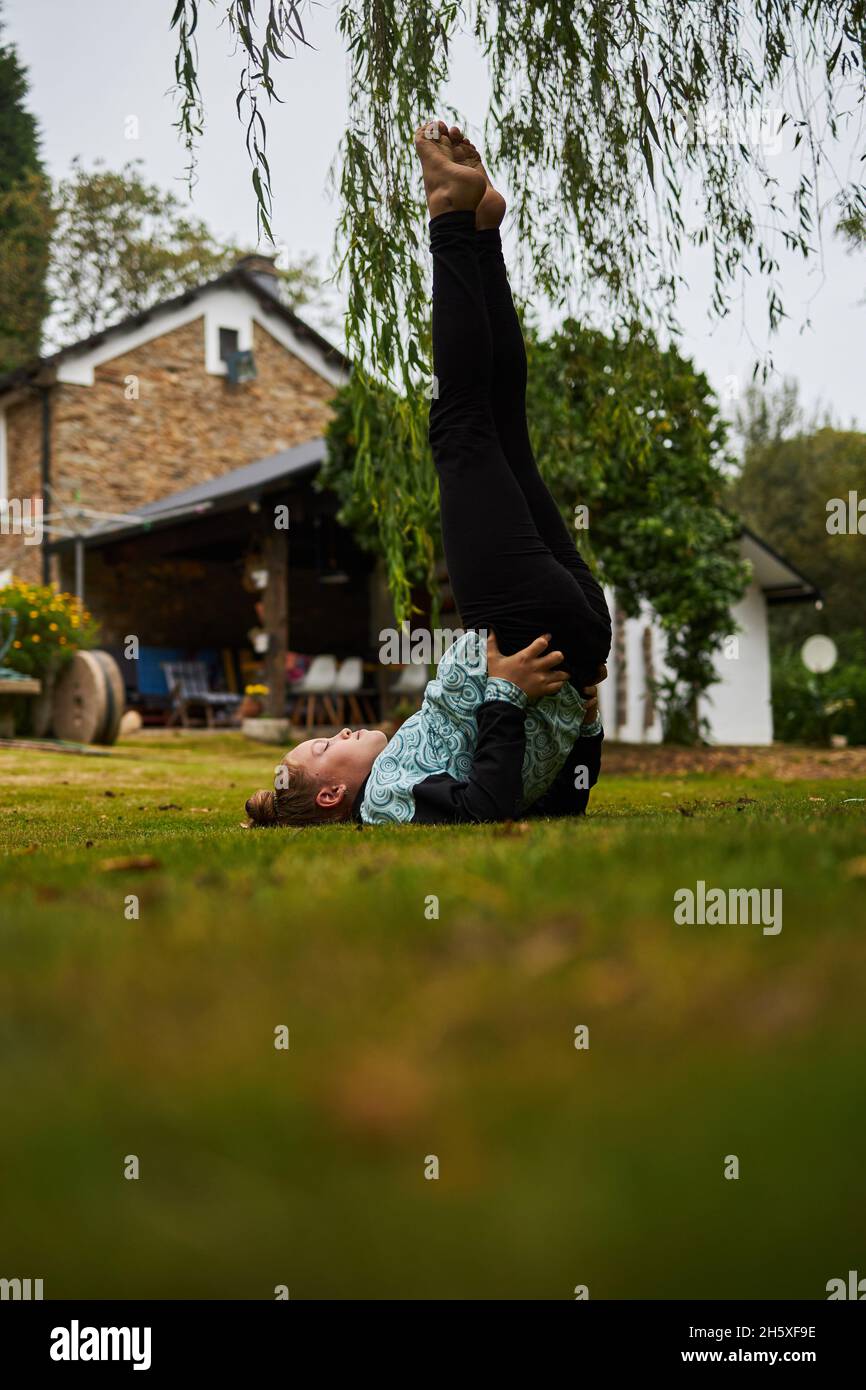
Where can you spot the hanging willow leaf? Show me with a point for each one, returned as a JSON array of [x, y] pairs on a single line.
[[623, 130]]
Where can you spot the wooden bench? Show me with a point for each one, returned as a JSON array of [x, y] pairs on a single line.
[[25, 685]]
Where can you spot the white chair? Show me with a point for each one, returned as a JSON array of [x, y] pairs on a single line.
[[349, 687], [411, 680], [408, 686], [317, 685]]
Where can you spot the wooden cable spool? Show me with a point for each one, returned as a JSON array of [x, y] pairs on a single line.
[[89, 699]]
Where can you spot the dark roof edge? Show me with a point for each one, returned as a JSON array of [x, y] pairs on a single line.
[[168, 517], [813, 591]]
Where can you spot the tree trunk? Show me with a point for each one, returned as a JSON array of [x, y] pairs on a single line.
[[276, 619]]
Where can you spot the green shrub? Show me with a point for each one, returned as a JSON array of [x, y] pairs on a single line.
[[49, 628], [809, 708]]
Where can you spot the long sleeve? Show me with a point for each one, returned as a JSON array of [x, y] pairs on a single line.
[[493, 789], [564, 797]]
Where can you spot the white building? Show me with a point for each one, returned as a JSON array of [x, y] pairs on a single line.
[[738, 707]]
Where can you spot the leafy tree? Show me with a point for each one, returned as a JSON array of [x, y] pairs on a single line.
[[633, 433], [121, 244], [356, 437], [790, 472], [25, 219]]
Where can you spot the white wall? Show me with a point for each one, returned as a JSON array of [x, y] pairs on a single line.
[[739, 707]]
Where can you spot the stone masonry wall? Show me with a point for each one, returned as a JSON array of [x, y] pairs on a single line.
[[24, 458], [185, 427], [110, 453]]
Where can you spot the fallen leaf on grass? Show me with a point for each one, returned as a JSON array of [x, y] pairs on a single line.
[[205, 810], [856, 868], [550, 947], [169, 806], [380, 1096], [130, 861]]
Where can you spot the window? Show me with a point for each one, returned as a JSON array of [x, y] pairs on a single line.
[[228, 343]]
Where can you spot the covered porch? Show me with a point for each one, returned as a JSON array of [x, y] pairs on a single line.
[[249, 574]]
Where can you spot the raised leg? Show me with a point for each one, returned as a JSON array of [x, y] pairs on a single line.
[[503, 573], [508, 401]]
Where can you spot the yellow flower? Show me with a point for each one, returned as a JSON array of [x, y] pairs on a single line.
[[34, 614], [34, 637], [52, 627], [16, 644]]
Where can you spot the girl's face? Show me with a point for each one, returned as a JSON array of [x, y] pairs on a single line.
[[342, 761]]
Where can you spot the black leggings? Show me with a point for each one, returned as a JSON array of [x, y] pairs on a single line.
[[512, 563]]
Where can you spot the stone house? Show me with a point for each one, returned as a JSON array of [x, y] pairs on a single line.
[[146, 407], [190, 392]]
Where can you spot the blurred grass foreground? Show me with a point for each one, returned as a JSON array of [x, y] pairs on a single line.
[[429, 984]]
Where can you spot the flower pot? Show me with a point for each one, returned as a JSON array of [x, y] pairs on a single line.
[[268, 730]]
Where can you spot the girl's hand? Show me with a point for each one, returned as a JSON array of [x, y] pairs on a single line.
[[529, 669], [590, 694]]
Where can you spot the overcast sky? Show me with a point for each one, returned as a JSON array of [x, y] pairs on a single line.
[[95, 63]]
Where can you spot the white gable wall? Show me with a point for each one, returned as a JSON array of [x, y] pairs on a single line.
[[222, 307], [739, 708]]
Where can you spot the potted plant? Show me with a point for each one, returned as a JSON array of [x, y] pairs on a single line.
[[50, 626], [253, 703]]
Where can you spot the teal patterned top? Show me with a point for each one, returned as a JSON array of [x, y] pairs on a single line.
[[441, 737]]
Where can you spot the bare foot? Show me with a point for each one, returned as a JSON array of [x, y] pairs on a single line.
[[450, 186], [491, 209]]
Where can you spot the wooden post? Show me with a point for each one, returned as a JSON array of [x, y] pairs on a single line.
[[275, 554], [79, 570], [381, 616]]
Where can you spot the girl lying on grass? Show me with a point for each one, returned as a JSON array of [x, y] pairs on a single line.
[[501, 732]]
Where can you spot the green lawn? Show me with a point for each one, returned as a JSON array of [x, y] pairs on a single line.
[[412, 1037]]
